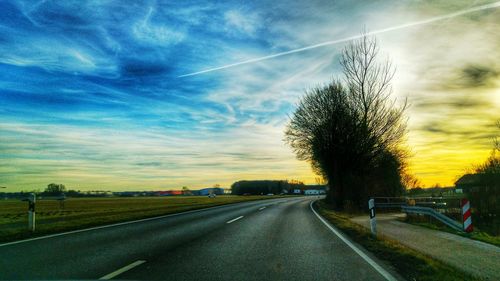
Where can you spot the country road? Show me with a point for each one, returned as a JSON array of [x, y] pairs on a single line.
[[276, 239]]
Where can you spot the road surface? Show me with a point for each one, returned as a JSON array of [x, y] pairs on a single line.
[[276, 239]]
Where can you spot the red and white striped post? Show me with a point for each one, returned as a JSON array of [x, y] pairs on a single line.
[[466, 215]]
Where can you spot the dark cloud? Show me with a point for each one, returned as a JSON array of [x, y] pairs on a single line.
[[478, 75], [460, 76], [447, 128], [447, 131], [137, 68], [434, 127], [452, 101]]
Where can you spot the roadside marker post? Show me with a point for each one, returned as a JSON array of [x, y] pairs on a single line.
[[373, 221], [467, 216], [31, 211]]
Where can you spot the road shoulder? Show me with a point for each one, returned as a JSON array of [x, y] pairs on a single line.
[[480, 259], [408, 263]]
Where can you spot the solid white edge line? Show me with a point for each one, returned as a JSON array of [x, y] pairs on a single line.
[[126, 222], [377, 267], [122, 270], [233, 220]]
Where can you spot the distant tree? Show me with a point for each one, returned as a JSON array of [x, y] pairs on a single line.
[[295, 182], [55, 189], [74, 193], [415, 190], [352, 133], [410, 181], [320, 181], [484, 191], [257, 187], [186, 191]]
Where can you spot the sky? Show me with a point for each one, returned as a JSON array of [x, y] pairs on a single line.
[[149, 95]]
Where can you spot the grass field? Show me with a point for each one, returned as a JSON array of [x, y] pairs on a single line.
[[79, 213], [410, 264]]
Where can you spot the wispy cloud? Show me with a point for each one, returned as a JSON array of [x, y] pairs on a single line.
[[244, 23], [150, 33], [351, 38], [151, 159]]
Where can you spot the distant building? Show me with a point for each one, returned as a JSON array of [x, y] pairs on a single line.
[[467, 183], [311, 192], [315, 189], [473, 182], [195, 192], [297, 191], [169, 193], [211, 190]]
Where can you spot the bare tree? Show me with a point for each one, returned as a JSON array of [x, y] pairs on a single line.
[[352, 133], [369, 84]]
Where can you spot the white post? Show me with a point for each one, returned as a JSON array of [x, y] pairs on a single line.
[[373, 221], [31, 211]]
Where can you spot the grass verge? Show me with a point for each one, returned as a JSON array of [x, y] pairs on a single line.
[[410, 264], [80, 213], [436, 225]]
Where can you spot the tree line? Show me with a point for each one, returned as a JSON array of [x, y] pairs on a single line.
[[485, 194], [257, 187]]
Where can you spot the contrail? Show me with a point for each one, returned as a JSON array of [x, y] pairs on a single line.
[[411, 24]]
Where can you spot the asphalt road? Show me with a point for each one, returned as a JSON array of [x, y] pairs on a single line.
[[277, 239]]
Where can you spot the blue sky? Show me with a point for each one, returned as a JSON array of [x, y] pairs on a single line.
[[91, 93]]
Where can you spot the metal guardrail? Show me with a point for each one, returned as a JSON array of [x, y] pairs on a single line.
[[418, 204], [433, 213], [390, 205], [436, 207]]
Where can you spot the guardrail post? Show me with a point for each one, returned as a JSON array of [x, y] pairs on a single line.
[[466, 215], [373, 221], [31, 211]]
